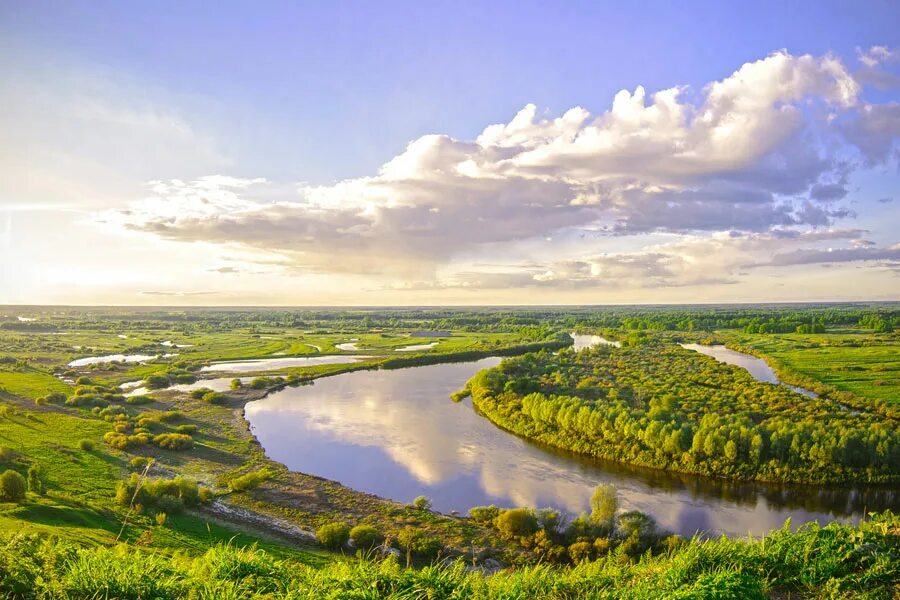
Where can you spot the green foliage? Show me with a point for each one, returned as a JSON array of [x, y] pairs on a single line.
[[422, 502], [174, 441], [516, 522], [86, 445], [365, 536], [333, 535], [170, 495], [604, 504], [484, 514], [12, 486], [249, 480], [215, 398], [662, 406], [157, 381], [418, 543]]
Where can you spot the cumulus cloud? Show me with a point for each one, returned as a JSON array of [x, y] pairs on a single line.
[[764, 150]]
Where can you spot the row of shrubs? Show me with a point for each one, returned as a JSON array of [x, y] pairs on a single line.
[[414, 542], [545, 533], [168, 495]]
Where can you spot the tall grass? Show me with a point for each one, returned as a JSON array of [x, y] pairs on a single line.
[[836, 561]]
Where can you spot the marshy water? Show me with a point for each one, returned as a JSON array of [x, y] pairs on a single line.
[[271, 364], [397, 434]]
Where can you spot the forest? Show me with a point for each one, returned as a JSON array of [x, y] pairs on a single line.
[[659, 405]]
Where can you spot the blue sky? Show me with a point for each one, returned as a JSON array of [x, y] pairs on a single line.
[[313, 94]]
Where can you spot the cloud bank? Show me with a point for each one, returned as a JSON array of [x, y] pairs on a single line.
[[750, 172]]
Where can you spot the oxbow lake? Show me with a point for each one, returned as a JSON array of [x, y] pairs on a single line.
[[396, 433]]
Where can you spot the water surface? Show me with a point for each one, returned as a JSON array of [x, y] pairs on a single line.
[[581, 341], [416, 347], [395, 433], [128, 358], [269, 364]]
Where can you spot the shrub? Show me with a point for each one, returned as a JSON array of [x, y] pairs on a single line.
[[185, 378], [199, 393], [41, 400], [249, 480], [236, 384], [422, 502], [83, 381], [516, 522], [333, 535], [174, 441], [138, 399], [365, 536], [580, 551], [484, 514], [215, 398], [187, 429], [12, 486], [55, 397], [86, 444], [416, 542], [157, 382], [139, 462], [170, 495], [6, 453], [160, 519], [170, 415]]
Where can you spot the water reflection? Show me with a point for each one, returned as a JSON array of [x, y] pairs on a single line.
[[128, 358], [416, 347], [580, 341], [268, 364], [396, 434]]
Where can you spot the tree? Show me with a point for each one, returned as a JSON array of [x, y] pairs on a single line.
[[516, 522], [12, 486], [604, 504], [365, 536], [422, 502], [333, 535]]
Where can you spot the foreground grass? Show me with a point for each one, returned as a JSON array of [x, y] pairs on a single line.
[[836, 561]]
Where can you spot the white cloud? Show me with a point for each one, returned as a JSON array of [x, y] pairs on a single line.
[[769, 147]]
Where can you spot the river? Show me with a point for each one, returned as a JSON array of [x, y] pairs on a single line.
[[395, 433]]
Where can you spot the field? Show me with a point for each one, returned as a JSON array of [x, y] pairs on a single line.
[[71, 430], [851, 361]]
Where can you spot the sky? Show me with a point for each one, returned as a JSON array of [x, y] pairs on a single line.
[[439, 153]]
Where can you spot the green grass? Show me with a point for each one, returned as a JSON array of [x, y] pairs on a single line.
[[832, 562], [31, 383]]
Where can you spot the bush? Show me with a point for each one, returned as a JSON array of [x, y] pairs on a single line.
[[604, 504], [83, 381], [160, 519], [249, 481], [86, 444], [236, 384], [422, 502], [170, 495], [170, 415], [418, 543], [516, 522], [484, 514], [157, 382], [55, 398], [333, 535], [138, 400], [199, 393], [188, 429], [174, 441], [139, 462], [41, 400], [215, 398], [365, 537], [12, 486], [185, 378]]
